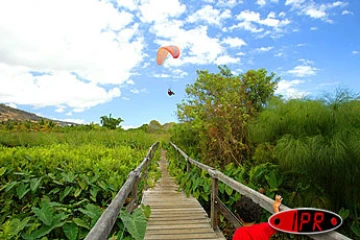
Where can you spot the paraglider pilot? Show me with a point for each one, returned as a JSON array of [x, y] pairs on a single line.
[[170, 92]]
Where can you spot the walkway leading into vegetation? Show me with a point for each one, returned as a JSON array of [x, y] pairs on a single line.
[[173, 215]]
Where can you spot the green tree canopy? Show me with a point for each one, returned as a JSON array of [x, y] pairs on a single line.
[[219, 107], [110, 122]]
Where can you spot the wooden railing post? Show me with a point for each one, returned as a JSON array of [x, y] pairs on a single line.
[[187, 165], [214, 193], [146, 173], [134, 193]]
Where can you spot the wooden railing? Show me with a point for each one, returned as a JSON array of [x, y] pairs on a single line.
[[105, 223], [216, 205]]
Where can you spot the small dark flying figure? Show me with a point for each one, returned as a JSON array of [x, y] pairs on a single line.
[[170, 93]]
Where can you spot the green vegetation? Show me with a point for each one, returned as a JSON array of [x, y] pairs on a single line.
[[56, 184], [52, 178], [307, 150]]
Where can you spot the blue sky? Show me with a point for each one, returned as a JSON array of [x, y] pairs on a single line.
[[79, 60]]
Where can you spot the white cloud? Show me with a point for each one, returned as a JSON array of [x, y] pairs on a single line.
[[161, 75], [234, 42], [223, 60], [72, 120], [209, 15], [355, 52], [261, 2], [313, 9], [129, 4], [237, 71], [247, 26], [282, 14], [56, 89], [90, 46], [13, 105], [126, 98], [178, 73], [288, 90], [156, 11], [251, 21], [279, 54], [263, 49], [228, 3], [55, 38], [137, 91], [303, 70], [346, 12], [197, 47], [313, 28], [306, 62], [274, 1], [130, 82], [60, 109]]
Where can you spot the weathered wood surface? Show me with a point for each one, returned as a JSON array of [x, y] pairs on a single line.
[[173, 215]]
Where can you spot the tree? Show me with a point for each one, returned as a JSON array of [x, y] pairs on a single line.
[[154, 126], [219, 106], [110, 122]]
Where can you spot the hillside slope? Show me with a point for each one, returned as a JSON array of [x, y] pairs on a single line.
[[12, 114]]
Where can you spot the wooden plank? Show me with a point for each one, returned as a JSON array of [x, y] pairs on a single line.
[[178, 218], [179, 231], [173, 214], [183, 236], [154, 222], [180, 210]]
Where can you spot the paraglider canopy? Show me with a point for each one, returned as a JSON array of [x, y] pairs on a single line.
[[164, 51]]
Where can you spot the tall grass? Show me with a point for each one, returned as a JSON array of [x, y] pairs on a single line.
[[318, 139]]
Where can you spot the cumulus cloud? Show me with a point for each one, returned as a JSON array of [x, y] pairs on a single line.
[[209, 15], [137, 91], [178, 73], [252, 21], [305, 69], [161, 75], [223, 60], [60, 89], [261, 2], [228, 3], [197, 46], [287, 89], [263, 49], [314, 10], [234, 42], [346, 12], [158, 12], [78, 54]]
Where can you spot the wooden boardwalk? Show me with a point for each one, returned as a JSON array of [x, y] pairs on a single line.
[[173, 215]]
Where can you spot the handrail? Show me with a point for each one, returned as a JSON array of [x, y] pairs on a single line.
[[105, 223], [264, 201]]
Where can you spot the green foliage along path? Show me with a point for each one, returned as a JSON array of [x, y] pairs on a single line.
[[58, 189]]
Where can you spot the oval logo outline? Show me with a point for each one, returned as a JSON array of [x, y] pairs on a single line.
[[295, 220]]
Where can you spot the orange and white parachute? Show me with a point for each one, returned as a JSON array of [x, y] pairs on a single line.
[[164, 51]]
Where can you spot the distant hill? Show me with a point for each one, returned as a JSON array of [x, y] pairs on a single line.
[[8, 113]]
